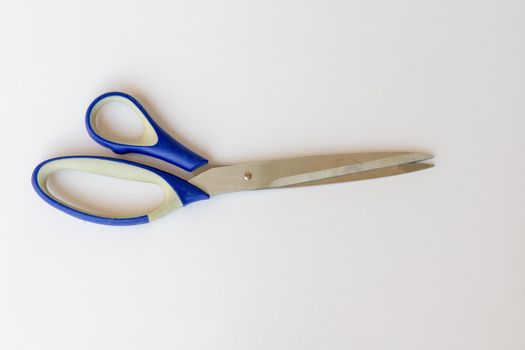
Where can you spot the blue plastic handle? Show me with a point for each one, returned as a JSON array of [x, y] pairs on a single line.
[[155, 142], [177, 192]]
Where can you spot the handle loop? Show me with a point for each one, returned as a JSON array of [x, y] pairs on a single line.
[[154, 142], [177, 192]]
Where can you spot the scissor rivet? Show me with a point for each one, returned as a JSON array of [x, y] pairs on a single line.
[[247, 176]]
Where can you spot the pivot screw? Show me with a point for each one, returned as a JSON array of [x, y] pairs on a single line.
[[247, 176]]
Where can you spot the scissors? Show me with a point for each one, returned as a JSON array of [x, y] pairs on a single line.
[[207, 180]]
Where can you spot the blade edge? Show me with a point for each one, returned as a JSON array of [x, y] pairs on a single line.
[[368, 175], [347, 170], [288, 172]]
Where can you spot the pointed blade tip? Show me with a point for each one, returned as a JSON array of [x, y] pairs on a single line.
[[421, 156]]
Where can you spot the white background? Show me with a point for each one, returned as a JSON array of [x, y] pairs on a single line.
[[430, 260]]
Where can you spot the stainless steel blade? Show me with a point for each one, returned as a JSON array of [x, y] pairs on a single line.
[[370, 174], [288, 172]]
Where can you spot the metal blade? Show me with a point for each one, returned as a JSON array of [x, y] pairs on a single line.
[[371, 174], [289, 172]]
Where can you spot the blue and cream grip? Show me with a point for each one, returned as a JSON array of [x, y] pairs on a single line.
[[155, 142], [177, 192]]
